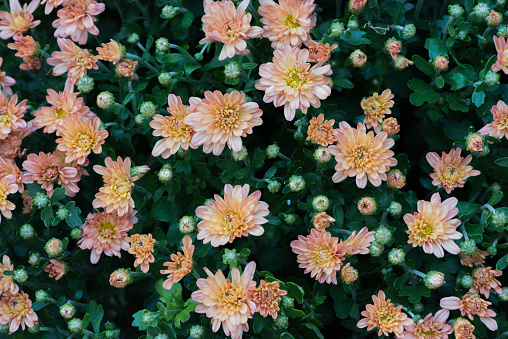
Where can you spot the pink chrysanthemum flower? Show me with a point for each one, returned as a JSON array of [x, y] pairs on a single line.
[[141, 245], [321, 131], [76, 19], [50, 5], [126, 68], [476, 259], [359, 243], [118, 183], [502, 55], [180, 264], [16, 310], [7, 284], [499, 127], [320, 254], [56, 269], [471, 304], [484, 279], [25, 47], [319, 52], [6, 81], [10, 147], [433, 227], [430, 327], [362, 155], [385, 316], [237, 214], [290, 81], [174, 131], [375, 108], [7, 168], [322, 220], [221, 119], [267, 297], [31, 64], [288, 23], [226, 301], [7, 186], [224, 23], [112, 51], [105, 233], [11, 115], [19, 20], [450, 170]]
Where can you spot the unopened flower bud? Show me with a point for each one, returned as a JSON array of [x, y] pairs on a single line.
[[290, 219], [466, 281], [395, 179], [133, 38], [349, 274], [475, 142], [274, 186], [165, 174], [162, 45], [62, 213], [492, 250], [240, 155], [34, 329], [139, 171], [400, 63], [468, 247], [434, 279], [396, 256], [287, 302], [75, 325], [67, 310], [76, 233], [34, 259], [503, 296], [106, 100], [147, 109], [395, 208], [481, 11], [4, 328], [232, 70], [187, 225], [169, 12], [147, 317], [492, 78], [352, 24], [455, 11], [198, 56], [418, 307], [393, 47], [499, 218], [494, 19], [495, 187], [165, 78], [375, 249], [503, 31], [391, 126], [139, 119], [409, 31], [358, 58], [322, 155], [320, 203], [54, 247], [383, 235], [85, 84], [336, 29], [272, 151], [462, 34], [27, 231], [120, 278], [230, 257], [281, 322], [357, 6], [42, 296], [463, 328], [20, 275], [296, 183], [440, 63], [197, 332], [367, 206], [41, 200]]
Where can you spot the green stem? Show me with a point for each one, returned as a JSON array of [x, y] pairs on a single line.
[[142, 61], [141, 47], [489, 207], [195, 274], [283, 157], [184, 52], [445, 30], [142, 9], [104, 68], [134, 102], [417, 11], [463, 229]]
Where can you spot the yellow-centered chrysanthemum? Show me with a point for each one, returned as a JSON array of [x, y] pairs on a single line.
[[375, 108], [16, 310], [11, 115], [7, 186]]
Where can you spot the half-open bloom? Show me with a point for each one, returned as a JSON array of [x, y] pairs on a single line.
[[471, 304], [321, 131], [267, 297], [56, 269], [476, 259], [7, 284], [180, 264], [498, 128], [484, 279], [8, 167], [319, 52], [19, 20], [112, 51], [25, 47], [375, 108], [502, 55], [359, 243], [142, 247], [7, 186]]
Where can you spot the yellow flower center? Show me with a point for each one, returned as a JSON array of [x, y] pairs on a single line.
[[295, 78], [386, 317], [106, 230], [20, 22], [291, 22], [324, 257], [424, 331], [360, 156], [228, 117], [5, 116], [84, 142], [232, 224], [231, 297], [122, 186], [3, 194], [60, 112]]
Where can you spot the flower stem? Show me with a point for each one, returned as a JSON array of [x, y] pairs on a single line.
[[184, 52], [142, 61], [417, 10], [489, 207], [283, 157], [463, 229], [445, 30]]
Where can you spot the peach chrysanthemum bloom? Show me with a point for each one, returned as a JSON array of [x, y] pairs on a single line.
[[11, 115], [450, 170], [31, 64], [502, 55], [320, 254], [224, 23], [221, 119], [463, 329], [118, 183], [19, 20], [126, 68], [174, 131], [288, 23], [10, 147], [7, 186], [76, 19], [349, 274], [430, 327], [27, 203], [48, 171], [356, 6], [112, 51], [226, 301], [7, 284], [7, 168], [385, 316], [359, 243], [142, 247], [73, 60], [362, 155], [120, 278], [499, 127], [375, 108], [322, 220], [289, 81], [25, 47], [79, 138], [180, 264], [476, 259], [319, 52], [16, 310], [391, 126], [267, 297], [471, 304], [62, 104], [6, 81], [433, 227], [56, 269], [484, 279], [50, 5], [237, 214], [321, 131], [105, 233]]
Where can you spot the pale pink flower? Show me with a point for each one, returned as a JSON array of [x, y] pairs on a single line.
[[430, 327], [19, 20], [50, 5], [471, 304], [502, 55], [498, 128], [76, 19], [6, 81]]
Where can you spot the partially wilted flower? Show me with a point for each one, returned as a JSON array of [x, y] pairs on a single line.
[[56, 269], [471, 304], [401, 62], [319, 52], [180, 264], [478, 258], [322, 220], [126, 68], [484, 279], [267, 297], [463, 329], [112, 51], [321, 131], [393, 47]]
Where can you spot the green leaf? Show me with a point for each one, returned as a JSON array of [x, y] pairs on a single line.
[[47, 215], [478, 97], [495, 198], [423, 65], [458, 81], [293, 313], [502, 162], [261, 322], [270, 173], [315, 329], [355, 37], [415, 293], [74, 219], [467, 209], [249, 65], [58, 194], [295, 291], [128, 98], [436, 47], [502, 263], [440, 82], [187, 19], [96, 312], [422, 92], [341, 303], [338, 215], [456, 103], [38, 305]]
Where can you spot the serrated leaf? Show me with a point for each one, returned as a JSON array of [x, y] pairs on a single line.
[[96, 313], [58, 194], [47, 216], [355, 37], [295, 291], [422, 92], [478, 97]]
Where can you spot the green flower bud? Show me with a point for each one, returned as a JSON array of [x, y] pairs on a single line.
[[395, 209], [41, 200], [147, 109], [63, 213], [336, 29], [165, 174], [165, 78], [196, 332], [352, 24], [468, 247], [133, 38], [139, 119], [322, 155], [466, 281], [42, 296], [208, 201], [462, 34], [272, 151], [492, 78], [169, 12], [290, 219], [274, 186], [198, 56], [367, 206], [383, 235], [396, 256], [230, 257], [481, 11], [499, 218], [147, 317], [418, 307], [358, 58], [106, 100], [503, 296], [287, 302], [321, 203], [434, 280], [187, 225], [34, 259], [161, 336], [241, 155], [76, 233], [281, 322], [495, 187], [503, 31], [492, 250], [455, 11], [27, 232], [75, 325], [376, 249], [20, 275], [296, 183], [54, 247], [232, 70], [162, 45], [67, 311], [34, 329], [85, 84]]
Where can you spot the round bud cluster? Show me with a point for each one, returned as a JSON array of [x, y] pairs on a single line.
[[466, 281], [54, 247], [272, 151], [169, 12], [336, 29], [408, 31], [20, 275], [494, 19], [120, 278], [434, 279], [321, 203], [75, 325], [481, 11], [281, 322], [376, 249], [161, 336], [503, 31], [352, 24], [287, 302], [34, 259], [475, 142], [296, 183], [162, 45], [395, 179], [147, 109], [85, 84], [468, 247], [232, 70], [274, 186], [440, 63], [492, 250], [41, 200], [133, 38], [322, 155], [27, 231], [63, 213], [499, 219], [240, 155], [230, 257], [197, 332], [455, 11], [396, 256], [395, 208], [492, 78], [503, 296], [67, 310], [383, 235], [42, 296], [348, 274], [76, 233], [165, 174], [290, 219], [187, 225], [367, 206], [165, 78]]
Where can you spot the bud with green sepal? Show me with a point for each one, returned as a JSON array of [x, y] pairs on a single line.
[[240, 155], [272, 151], [336, 29], [162, 45], [75, 325], [434, 280], [274, 186], [106, 100], [27, 232], [169, 12], [481, 11], [20, 275], [187, 225], [296, 183], [468, 247], [395, 209], [67, 310], [396, 256], [383, 235], [466, 281], [320, 203], [408, 31], [85, 84]]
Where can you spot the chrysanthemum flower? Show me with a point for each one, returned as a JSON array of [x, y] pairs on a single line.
[[226, 301], [25, 47], [112, 51], [450, 170], [180, 264], [321, 131], [267, 297], [502, 55], [141, 245], [484, 279], [79, 138], [7, 186], [499, 127], [62, 104], [348, 273], [27, 203], [118, 183], [19, 20], [175, 132], [433, 226], [56, 269], [16, 310], [11, 115], [126, 67], [221, 119], [48, 171], [237, 214], [7, 284], [76, 19], [73, 60], [6, 81], [463, 329], [288, 23], [391, 126], [290, 81], [322, 220], [362, 155], [471, 304], [430, 327], [10, 147], [320, 254], [318, 52], [31, 64], [224, 23], [375, 108], [385, 316], [50, 5], [105, 233], [359, 243], [9, 168], [476, 259]]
